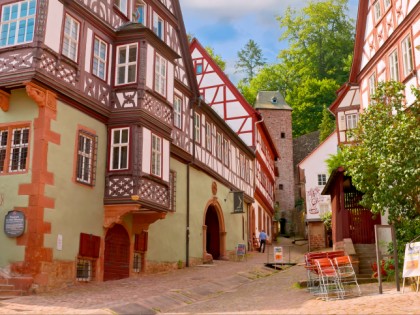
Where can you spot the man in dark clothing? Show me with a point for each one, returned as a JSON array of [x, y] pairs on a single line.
[[263, 239]]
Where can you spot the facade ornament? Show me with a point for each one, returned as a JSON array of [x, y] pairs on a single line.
[[214, 188], [4, 101], [41, 96]]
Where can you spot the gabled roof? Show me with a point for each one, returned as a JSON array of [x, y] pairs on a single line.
[[333, 134], [271, 100]]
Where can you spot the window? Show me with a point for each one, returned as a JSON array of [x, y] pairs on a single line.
[[156, 155], [160, 75], [122, 6], [139, 13], [14, 149], [377, 8], [322, 179], [86, 158], [242, 166], [99, 58], [281, 187], [407, 56], [219, 148], [197, 127], [84, 270], [372, 85], [283, 135], [351, 121], [136, 262], [158, 26], [126, 64], [226, 152], [119, 148], [177, 112], [199, 68], [71, 38], [17, 23], [387, 3], [393, 66], [208, 136]]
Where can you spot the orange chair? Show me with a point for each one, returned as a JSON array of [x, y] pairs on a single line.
[[330, 287], [348, 278]]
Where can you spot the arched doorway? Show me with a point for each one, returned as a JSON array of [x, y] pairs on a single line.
[[117, 253], [213, 232]]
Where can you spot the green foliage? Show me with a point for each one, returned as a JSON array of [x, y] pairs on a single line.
[[385, 163], [327, 125], [216, 58], [335, 161], [250, 60], [326, 218]]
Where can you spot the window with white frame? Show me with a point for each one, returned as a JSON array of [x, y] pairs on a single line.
[[197, 127], [372, 85], [17, 23], [156, 155], [158, 26], [71, 38], [14, 142], [120, 140], [126, 64], [351, 121], [100, 49], [177, 112], [208, 136], [226, 152], [322, 179], [122, 5], [160, 75], [407, 55], [387, 3], [219, 146], [86, 157], [393, 66], [139, 12], [377, 9]]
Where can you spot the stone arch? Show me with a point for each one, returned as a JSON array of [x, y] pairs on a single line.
[[213, 215]]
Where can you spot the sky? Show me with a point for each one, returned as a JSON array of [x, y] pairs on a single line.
[[227, 25]]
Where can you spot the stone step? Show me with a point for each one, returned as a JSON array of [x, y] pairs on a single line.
[[6, 287], [11, 292]]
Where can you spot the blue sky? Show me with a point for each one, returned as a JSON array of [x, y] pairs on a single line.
[[227, 25]]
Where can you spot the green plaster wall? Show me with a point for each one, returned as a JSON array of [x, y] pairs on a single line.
[[167, 238], [21, 109], [78, 208]]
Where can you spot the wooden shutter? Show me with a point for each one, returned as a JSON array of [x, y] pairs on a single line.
[[140, 241], [89, 245]]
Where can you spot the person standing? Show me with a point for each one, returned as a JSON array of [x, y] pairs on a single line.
[[263, 239]]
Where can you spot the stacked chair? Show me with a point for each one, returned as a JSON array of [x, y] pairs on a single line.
[[330, 275]]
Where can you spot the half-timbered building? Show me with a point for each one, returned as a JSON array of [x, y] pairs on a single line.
[[223, 97], [386, 48], [110, 165]]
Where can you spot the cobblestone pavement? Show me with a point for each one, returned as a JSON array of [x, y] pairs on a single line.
[[226, 287]]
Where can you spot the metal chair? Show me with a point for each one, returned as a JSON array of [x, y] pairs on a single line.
[[348, 278], [312, 271], [329, 281]]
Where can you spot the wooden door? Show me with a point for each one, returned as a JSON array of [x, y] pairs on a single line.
[[117, 254], [213, 233]]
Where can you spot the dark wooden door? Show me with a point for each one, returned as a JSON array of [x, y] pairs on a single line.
[[117, 254], [213, 233], [361, 220]]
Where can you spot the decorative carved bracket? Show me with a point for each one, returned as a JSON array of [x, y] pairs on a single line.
[[4, 101], [115, 213], [41, 96]]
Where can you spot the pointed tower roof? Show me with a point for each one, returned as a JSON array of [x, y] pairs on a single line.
[[271, 100]]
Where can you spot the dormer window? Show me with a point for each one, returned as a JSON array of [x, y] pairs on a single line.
[[158, 26], [17, 23], [274, 100]]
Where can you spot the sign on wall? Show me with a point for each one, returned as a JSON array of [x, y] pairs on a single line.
[[278, 254], [14, 223], [238, 202]]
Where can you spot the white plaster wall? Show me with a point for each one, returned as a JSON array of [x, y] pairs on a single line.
[[165, 160], [313, 165], [88, 52], [54, 22], [150, 64], [147, 145]]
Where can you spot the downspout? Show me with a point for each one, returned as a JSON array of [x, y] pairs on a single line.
[[255, 176]]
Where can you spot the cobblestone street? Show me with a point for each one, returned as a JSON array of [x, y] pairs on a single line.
[[227, 287]]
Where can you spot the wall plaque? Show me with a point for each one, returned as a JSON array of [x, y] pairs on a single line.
[[14, 223], [238, 202]]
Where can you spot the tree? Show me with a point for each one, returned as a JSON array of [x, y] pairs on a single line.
[[327, 125], [250, 60], [217, 58], [385, 163]]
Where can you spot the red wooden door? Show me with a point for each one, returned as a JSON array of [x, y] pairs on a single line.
[[213, 233], [117, 254], [361, 220]]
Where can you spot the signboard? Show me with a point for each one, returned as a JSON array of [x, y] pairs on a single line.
[[241, 250], [238, 202], [14, 223], [412, 260], [278, 254]]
